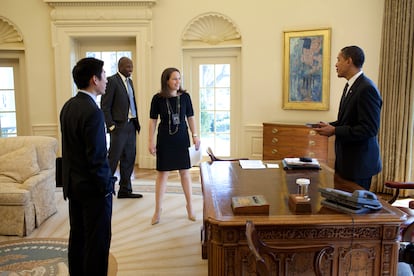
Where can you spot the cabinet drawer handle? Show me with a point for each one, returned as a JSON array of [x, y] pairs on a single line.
[[274, 151], [274, 130], [312, 132], [274, 140], [312, 143]]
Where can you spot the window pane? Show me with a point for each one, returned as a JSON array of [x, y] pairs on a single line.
[[222, 75], [110, 63], [7, 100], [222, 122], [207, 98], [123, 54], [8, 124], [206, 75], [94, 54], [6, 78], [222, 99], [207, 122]]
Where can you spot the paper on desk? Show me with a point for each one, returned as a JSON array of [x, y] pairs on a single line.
[[252, 164], [272, 166]]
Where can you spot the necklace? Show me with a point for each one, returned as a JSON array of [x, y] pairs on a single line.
[[175, 116]]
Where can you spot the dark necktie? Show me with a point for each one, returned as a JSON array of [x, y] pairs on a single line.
[[343, 95], [345, 89]]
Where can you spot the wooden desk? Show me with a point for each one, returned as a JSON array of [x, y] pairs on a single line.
[[363, 244]]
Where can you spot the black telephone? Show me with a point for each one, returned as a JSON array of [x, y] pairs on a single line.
[[358, 202]]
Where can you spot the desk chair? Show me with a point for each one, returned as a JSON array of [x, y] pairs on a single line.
[[215, 158], [276, 260], [407, 228]]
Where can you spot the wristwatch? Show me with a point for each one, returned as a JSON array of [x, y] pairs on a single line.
[[195, 135]]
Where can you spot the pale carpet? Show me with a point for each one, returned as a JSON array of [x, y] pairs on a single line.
[[170, 248]]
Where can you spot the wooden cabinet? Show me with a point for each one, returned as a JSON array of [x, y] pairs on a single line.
[[290, 140]]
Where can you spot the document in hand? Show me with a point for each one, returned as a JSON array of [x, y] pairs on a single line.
[[295, 163], [252, 164], [195, 155]]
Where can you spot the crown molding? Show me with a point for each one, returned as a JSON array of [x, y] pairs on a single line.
[[102, 10], [56, 3]]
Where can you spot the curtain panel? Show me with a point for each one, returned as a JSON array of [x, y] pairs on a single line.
[[395, 83]]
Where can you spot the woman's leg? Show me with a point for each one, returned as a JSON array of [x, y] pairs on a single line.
[[160, 187], [187, 188]]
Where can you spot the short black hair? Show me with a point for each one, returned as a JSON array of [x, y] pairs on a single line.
[[355, 53], [85, 69]]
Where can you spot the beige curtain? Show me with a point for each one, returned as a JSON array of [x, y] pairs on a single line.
[[397, 90]]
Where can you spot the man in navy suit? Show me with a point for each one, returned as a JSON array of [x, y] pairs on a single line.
[[121, 116], [87, 177], [356, 128]]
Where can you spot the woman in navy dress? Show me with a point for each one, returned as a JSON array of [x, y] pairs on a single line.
[[174, 108]]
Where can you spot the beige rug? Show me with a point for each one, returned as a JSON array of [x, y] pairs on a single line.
[[147, 186], [171, 247]]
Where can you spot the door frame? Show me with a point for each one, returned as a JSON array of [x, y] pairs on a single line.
[[231, 55]]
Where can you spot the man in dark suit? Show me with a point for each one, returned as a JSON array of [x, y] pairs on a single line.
[[121, 116], [356, 128], [87, 178]]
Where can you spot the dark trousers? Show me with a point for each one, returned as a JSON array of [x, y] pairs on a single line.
[[122, 150], [90, 236]]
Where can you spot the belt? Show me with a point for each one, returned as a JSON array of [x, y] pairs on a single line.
[[131, 119]]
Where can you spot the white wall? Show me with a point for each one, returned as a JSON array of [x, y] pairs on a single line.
[[261, 24]]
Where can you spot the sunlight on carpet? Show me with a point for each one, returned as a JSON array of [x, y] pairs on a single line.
[[168, 248], [171, 247], [147, 186]]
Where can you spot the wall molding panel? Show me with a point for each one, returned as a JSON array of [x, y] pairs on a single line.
[[253, 141], [45, 130]]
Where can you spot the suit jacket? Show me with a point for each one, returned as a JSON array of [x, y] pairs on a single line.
[[356, 130], [86, 171], [115, 103]]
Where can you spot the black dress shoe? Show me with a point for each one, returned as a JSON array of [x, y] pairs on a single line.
[[128, 195]]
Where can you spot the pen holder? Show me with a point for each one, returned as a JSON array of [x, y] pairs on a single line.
[[298, 204]]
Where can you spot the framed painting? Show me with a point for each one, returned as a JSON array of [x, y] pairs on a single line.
[[306, 69]]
